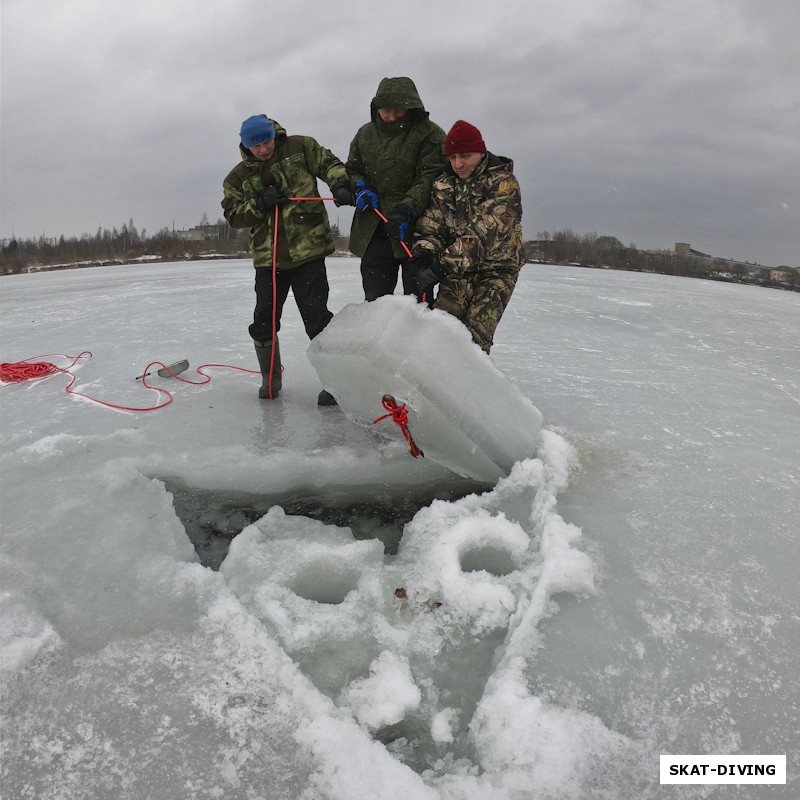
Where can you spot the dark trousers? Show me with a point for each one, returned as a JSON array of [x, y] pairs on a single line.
[[379, 268], [309, 285]]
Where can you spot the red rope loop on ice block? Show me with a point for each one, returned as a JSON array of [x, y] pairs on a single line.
[[399, 415]]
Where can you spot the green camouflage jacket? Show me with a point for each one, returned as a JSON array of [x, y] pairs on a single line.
[[304, 233], [398, 160], [475, 224]]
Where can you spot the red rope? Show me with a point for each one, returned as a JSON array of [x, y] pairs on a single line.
[[274, 301], [275, 288], [424, 298], [29, 369], [399, 415], [404, 245], [24, 371]]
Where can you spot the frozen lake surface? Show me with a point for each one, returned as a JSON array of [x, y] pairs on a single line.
[[236, 598]]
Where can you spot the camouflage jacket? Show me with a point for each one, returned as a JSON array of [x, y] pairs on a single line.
[[476, 224], [304, 232], [399, 159]]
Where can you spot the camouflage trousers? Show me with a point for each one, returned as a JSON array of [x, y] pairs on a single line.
[[478, 299]]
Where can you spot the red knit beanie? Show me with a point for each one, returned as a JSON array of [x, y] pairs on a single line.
[[463, 138]]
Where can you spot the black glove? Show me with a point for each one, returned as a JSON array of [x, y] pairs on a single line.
[[398, 220], [342, 196], [269, 198], [425, 270], [427, 278]]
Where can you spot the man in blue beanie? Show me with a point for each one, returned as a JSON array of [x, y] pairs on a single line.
[[257, 129], [259, 194]]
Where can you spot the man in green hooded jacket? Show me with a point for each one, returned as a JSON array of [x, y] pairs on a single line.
[[276, 184], [393, 162]]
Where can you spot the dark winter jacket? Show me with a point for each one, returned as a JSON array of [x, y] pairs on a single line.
[[476, 224], [398, 160], [304, 233]]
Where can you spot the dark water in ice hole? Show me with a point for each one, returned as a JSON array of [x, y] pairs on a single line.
[[212, 518]]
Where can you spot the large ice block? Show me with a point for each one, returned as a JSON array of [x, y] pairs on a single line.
[[463, 412]]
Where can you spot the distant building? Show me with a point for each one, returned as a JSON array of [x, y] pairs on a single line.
[[782, 275], [537, 250], [342, 245], [731, 265], [203, 233], [685, 249]]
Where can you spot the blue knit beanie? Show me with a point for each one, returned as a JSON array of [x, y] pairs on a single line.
[[256, 130]]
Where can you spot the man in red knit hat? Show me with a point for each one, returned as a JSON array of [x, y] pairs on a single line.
[[469, 240]]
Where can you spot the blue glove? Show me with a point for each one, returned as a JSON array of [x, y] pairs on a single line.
[[398, 220], [365, 198]]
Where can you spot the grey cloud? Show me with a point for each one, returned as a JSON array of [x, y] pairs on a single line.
[[651, 121]]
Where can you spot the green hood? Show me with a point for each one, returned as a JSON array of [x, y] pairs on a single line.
[[397, 93]]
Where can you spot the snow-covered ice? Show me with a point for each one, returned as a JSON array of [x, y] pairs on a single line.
[[238, 598]]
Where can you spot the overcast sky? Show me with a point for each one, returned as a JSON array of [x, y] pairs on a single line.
[[648, 120]]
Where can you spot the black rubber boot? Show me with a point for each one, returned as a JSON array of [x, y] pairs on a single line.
[[264, 355], [326, 399]]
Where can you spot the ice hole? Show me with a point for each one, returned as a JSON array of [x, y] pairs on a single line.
[[494, 559], [212, 518], [409, 742], [324, 583]]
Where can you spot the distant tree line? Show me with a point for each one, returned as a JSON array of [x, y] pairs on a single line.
[[127, 244], [608, 252], [120, 245]]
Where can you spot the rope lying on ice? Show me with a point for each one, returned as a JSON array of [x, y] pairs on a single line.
[[31, 369], [19, 371]]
